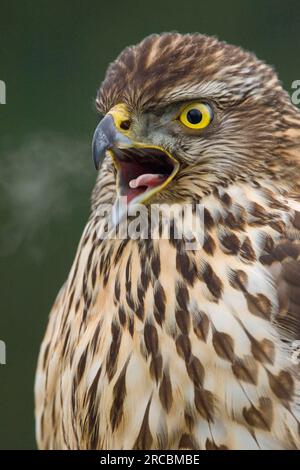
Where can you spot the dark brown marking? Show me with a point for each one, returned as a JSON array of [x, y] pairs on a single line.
[[75, 271], [155, 264], [186, 267], [209, 245], [296, 220], [129, 299], [77, 305], [140, 293], [208, 220], [128, 270], [151, 339], [204, 403], [238, 279], [45, 355], [224, 345], [196, 371], [145, 277], [259, 214], [201, 325], [139, 310], [268, 243], [263, 351], [156, 367], [212, 281], [226, 199], [120, 250], [183, 320], [71, 299], [66, 342], [235, 223], [159, 303], [42, 424], [189, 419], [119, 394], [94, 275], [182, 296], [245, 369], [90, 258], [282, 385], [247, 252], [210, 445], [259, 305], [165, 392], [183, 346], [131, 324], [278, 226], [122, 315], [187, 442], [94, 342], [260, 417], [231, 243], [117, 289], [144, 439], [111, 361]]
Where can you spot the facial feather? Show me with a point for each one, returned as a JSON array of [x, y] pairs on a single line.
[[255, 126]]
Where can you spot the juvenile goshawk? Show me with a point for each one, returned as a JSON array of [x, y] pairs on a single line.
[[153, 346]]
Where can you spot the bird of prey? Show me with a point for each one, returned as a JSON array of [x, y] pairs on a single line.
[[153, 346]]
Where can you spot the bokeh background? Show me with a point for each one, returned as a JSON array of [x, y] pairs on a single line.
[[53, 56]]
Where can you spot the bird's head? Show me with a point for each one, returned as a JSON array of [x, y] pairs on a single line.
[[186, 113]]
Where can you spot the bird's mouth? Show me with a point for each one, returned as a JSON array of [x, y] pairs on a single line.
[[142, 171]]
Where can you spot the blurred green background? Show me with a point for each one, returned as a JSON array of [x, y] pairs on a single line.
[[53, 56]]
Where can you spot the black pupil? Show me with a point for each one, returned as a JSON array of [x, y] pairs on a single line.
[[194, 116]]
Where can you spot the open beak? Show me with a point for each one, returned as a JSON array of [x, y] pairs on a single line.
[[142, 170]]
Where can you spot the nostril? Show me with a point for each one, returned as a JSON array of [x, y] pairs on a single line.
[[125, 125]]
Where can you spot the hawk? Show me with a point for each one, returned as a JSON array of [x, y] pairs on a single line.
[[153, 346]]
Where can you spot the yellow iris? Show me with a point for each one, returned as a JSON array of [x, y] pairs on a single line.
[[196, 115]]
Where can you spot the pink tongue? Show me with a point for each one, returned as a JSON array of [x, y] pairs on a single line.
[[148, 180]]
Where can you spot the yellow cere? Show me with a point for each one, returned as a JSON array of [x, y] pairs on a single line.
[[196, 115], [121, 115]]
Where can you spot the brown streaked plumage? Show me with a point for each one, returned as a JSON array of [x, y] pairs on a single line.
[[150, 346]]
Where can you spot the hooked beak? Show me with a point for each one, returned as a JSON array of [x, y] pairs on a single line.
[[105, 138], [142, 170]]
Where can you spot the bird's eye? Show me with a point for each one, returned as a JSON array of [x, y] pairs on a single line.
[[196, 115]]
